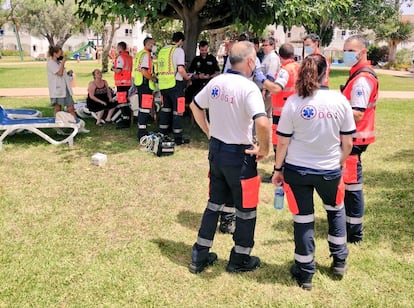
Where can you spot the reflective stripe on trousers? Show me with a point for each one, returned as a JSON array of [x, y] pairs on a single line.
[[226, 171], [170, 104], [303, 187], [354, 205]]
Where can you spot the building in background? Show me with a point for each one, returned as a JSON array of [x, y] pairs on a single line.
[[37, 47]]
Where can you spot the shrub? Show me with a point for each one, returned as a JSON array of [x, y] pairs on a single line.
[[404, 57], [378, 54], [9, 53]]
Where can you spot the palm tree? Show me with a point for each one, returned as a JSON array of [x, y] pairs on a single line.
[[394, 31]]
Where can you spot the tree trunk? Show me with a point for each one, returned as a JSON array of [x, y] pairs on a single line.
[[393, 51], [107, 39], [63, 40], [192, 29], [216, 38], [50, 40]]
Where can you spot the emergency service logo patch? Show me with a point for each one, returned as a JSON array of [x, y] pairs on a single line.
[[359, 92], [215, 92], [308, 112]]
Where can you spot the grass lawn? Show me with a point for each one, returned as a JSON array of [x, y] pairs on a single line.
[[73, 234], [33, 75]]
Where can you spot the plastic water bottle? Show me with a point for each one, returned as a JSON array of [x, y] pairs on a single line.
[[279, 198]]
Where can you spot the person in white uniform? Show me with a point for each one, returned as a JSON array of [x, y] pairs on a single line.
[[234, 103], [315, 138]]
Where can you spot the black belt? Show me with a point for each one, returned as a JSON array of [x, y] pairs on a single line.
[[216, 144]]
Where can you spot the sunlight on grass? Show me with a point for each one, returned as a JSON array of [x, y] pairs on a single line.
[[73, 234]]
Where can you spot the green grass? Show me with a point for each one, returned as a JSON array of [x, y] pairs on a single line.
[[387, 82], [76, 235], [33, 75]]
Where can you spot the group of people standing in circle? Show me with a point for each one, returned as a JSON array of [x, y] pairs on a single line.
[[318, 135]]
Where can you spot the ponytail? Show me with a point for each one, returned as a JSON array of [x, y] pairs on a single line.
[[311, 75]]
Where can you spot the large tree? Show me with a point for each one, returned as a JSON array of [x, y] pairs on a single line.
[[393, 31], [106, 30], [383, 17], [44, 18], [316, 16], [197, 15]]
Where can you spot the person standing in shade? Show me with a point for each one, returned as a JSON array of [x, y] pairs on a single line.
[[270, 68], [144, 81], [361, 89], [315, 138], [235, 104], [203, 68], [311, 46], [282, 88], [123, 81], [172, 78]]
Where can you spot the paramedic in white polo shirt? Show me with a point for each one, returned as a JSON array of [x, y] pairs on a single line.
[[234, 103], [315, 138]]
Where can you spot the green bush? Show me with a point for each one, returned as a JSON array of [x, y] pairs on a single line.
[[404, 57], [378, 54]]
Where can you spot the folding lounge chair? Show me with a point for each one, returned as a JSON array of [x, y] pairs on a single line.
[[23, 113], [34, 125]]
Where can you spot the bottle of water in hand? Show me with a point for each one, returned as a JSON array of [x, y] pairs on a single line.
[[279, 198]]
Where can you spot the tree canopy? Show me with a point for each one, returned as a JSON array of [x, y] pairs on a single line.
[[197, 15], [44, 18], [316, 16]]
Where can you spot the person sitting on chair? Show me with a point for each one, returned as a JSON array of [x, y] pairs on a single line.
[[100, 98]]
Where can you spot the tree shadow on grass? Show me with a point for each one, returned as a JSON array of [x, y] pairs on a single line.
[[106, 138], [327, 271], [190, 220], [320, 231], [406, 155], [180, 254], [389, 214]]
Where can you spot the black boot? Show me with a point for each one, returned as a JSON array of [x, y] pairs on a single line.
[[125, 121], [227, 223], [200, 259], [338, 267], [303, 278], [242, 263]]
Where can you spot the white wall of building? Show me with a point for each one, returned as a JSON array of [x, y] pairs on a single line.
[[38, 47]]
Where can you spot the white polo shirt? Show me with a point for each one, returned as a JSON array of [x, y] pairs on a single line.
[[315, 125], [360, 93], [233, 102], [271, 64], [178, 59]]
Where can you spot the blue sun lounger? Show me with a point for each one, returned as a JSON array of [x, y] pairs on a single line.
[[23, 113], [10, 125]]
